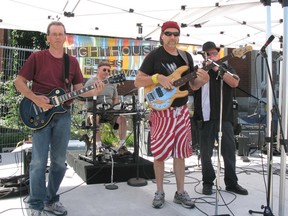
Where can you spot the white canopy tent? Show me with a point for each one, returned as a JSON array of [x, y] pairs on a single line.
[[230, 23]]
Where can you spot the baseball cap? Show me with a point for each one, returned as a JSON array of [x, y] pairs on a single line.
[[209, 45], [170, 24]]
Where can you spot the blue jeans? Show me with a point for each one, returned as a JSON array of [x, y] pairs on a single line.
[[55, 135], [208, 133]]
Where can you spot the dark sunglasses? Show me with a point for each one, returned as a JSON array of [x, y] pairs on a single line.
[[106, 70], [212, 53], [168, 33]]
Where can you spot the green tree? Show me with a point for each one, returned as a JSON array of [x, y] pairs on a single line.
[[12, 129], [34, 40]]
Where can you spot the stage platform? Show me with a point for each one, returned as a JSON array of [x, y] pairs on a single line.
[[124, 168], [94, 199]]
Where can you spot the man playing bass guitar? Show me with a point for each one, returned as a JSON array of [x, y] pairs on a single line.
[[170, 125]]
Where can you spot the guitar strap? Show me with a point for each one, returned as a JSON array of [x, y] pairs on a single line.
[[66, 72], [184, 56]]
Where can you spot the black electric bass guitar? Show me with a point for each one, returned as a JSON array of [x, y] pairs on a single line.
[[159, 98], [36, 117]]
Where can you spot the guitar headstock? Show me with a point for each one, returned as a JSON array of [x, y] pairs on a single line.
[[118, 78], [241, 51]]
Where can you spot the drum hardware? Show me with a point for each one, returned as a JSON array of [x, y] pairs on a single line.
[[103, 106], [137, 118], [122, 108], [94, 130], [86, 139]]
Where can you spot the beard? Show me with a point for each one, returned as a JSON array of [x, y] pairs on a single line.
[[172, 43]]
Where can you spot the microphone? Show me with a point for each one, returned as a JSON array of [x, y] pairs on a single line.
[[195, 52], [270, 39]]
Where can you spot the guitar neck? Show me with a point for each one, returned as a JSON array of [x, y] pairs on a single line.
[[70, 95], [74, 94], [193, 75]]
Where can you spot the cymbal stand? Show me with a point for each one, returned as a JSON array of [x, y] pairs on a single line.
[[137, 182]]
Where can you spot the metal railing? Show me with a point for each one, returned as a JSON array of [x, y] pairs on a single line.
[[11, 60]]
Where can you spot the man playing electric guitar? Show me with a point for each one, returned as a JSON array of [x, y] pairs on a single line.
[[170, 128], [46, 69]]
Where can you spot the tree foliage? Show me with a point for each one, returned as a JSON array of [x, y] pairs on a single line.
[[10, 97], [34, 40]]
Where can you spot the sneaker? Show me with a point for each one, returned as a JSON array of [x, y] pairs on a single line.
[[184, 199], [56, 208], [35, 212], [159, 200]]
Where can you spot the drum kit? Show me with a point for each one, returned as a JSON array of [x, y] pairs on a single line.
[[101, 110], [137, 111]]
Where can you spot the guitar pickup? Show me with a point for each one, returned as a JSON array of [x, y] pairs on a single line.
[[159, 92], [36, 109], [54, 100], [150, 97]]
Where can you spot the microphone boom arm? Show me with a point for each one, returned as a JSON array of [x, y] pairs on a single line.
[[224, 69]]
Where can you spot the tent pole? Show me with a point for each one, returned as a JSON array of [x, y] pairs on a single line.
[[284, 111], [269, 102]]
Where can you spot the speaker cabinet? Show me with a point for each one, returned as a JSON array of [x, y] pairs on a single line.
[[250, 137], [243, 146], [256, 137]]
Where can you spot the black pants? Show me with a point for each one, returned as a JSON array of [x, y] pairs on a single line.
[[208, 134]]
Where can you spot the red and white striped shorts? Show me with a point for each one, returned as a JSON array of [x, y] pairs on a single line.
[[170, 132]]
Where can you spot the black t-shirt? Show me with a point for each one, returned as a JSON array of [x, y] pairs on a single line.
[[161, 62]]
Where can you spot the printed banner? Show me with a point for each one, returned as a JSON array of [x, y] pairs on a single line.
[[124, 55]]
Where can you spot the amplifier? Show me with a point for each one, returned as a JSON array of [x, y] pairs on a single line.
[[243, 146], [252, 136], [252, 127]]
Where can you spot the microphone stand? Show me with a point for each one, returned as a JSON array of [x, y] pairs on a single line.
[[219, 140], [221, 72], [111, 186], [267, 209]]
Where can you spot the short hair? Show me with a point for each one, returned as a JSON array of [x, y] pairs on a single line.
[[104, 63], [56, 23]]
